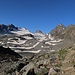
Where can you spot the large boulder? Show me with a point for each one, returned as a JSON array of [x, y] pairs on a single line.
[[27, 70]]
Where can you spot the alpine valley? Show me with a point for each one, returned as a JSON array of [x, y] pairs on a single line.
[[25, 53]]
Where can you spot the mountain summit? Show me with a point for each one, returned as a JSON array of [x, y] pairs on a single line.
[[39, 31], [58, 31], [11, 27], [62, 32], [5, 29]]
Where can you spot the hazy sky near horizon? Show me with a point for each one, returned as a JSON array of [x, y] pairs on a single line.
[[35, 15]]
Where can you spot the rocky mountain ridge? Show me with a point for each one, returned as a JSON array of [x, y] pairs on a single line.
[[62, 32], [59, 32], [5, 29], [22, 40]]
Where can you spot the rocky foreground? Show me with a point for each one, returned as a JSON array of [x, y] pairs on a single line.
[[61, 62]]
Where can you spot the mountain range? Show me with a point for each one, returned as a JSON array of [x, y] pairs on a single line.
[[21, 50], [59, 32], [22, 40]]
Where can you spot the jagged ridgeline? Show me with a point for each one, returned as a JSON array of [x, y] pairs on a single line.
[[5, 29], [59, 32], [62, 32], [22, 40]]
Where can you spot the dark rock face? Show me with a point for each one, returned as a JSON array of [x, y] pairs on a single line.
[[5, 29], [11, 27], [7, 59], [7, 54], [2, 26]]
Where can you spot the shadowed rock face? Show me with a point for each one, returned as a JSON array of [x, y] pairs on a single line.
[[11, 27], [7, 54], [5, 29]]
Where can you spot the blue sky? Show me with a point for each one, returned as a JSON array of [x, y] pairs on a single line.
[[35, 15]]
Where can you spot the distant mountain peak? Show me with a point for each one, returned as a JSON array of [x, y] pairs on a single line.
[[58, 30], [38, 31], [62, 32], [61, 25], [71, 26], [5, 29], [11, 27]]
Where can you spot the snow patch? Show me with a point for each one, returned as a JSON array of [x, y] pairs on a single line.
[[56, 40], [21, 31], [28, 51], [48, 43], [50, 37], [26, 47]]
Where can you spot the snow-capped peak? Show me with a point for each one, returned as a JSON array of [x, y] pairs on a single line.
[[21, 31]]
